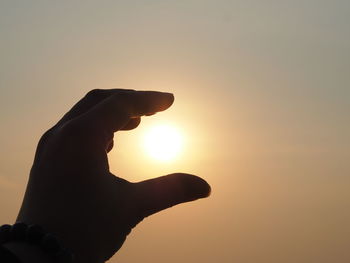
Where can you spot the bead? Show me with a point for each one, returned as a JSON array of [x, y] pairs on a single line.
[[65, 256], [50, 244], [4, 233], [18, 232], [34, 234]]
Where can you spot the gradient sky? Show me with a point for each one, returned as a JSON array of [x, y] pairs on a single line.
[[262, 94]]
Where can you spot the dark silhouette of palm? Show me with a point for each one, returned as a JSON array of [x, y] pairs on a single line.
[[71, 191]]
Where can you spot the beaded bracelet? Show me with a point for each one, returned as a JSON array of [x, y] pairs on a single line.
[[35, 235]]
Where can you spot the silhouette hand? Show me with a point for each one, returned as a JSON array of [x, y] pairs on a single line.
[[72, 193]]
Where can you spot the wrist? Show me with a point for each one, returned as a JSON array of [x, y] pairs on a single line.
[[27, 253], [33, 244], [72, 238]]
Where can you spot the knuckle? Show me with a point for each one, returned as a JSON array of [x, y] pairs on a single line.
[[45, 137], [123, 105], [70, 128], [77, 132], [93, 93], [70, 135]]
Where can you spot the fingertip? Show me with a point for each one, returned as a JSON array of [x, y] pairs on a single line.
[[198, 188], [194, 186], [167, 100], [171, 97], [158, 101]]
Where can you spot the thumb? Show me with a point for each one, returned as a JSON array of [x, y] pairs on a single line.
[[163, 192]]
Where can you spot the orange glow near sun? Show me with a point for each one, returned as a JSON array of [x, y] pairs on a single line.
[[163, 142]]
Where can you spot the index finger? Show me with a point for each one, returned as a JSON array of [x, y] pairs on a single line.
[[113, 113]]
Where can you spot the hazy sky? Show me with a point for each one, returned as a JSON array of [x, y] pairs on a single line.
[[262, 95]]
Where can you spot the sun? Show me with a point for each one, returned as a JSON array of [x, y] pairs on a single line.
[[163, 142]]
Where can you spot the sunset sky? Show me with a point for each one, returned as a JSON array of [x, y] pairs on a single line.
[[262, 99]]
